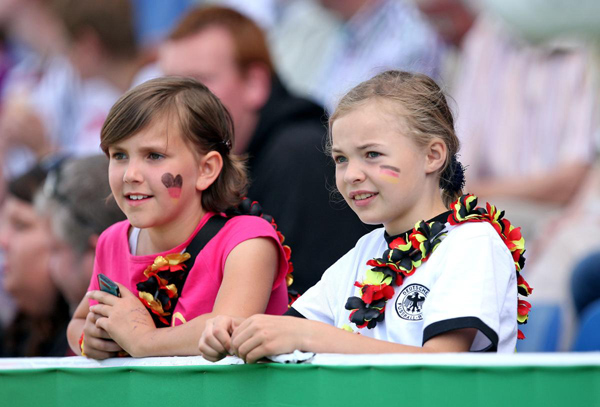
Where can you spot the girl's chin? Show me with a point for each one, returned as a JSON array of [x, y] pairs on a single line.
[[370, 221]]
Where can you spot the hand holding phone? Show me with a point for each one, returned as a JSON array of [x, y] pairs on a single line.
[[108, 286]]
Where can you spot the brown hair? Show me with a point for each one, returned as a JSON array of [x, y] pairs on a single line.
[[423, 108], [249, 40], [203, 121], [74, 199], [111, 20]]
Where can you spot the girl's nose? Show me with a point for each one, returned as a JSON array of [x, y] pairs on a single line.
[[132, 173], [353, 174]]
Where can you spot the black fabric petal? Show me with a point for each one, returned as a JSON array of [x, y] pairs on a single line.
[[354, 303]]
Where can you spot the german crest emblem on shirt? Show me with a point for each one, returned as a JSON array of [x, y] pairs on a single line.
[[409, 303]]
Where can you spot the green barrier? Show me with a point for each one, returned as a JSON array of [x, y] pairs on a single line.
[[303, 385]]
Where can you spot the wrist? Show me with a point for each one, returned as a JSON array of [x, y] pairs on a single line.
[[142, 345], [307, 335]]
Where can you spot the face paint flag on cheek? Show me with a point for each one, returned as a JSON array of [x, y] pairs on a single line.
[[389, 173], [173, 184]]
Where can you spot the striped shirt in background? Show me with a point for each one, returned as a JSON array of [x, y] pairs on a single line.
[[523, 109], [388, 34], [321, 57]]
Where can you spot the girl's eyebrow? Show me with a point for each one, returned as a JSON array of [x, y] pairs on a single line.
[[153, 148], [361, 147], [368, 146]]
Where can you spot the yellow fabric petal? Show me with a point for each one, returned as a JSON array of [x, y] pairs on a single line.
[[376, 278], [177, 258], [155, 305], [172, 288], [160, 261]]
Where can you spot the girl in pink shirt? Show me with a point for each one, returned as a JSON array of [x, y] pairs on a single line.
[[171, 171]]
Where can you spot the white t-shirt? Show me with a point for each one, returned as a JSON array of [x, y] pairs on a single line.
[[468, 282]]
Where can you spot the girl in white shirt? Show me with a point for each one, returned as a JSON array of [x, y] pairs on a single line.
[[442, 275]]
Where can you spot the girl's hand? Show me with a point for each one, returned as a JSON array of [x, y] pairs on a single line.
[[268, 335], [125, 319], [97, 343], [215, 342]]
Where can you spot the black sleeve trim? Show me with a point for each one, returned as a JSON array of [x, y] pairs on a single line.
[[292, 312], [448, 325]]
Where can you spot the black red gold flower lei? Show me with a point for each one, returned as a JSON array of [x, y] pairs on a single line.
[[408, 252], [465, 210], [166, 276], [404, 256], [164, 280]]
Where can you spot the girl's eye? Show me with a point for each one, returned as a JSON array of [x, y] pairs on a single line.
[[340, 159], [155, 156], [118, 156], [373, 154]]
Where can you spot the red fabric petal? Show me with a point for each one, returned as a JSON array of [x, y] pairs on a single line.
[[368, 294], [388, 292], [287, 251], [397, 242]]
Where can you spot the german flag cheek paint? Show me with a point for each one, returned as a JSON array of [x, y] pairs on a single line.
[[389, 173], [173, 184]]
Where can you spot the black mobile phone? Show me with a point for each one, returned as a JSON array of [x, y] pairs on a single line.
[[108, 286]]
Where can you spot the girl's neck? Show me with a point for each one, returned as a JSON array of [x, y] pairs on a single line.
[[425, 209], [161, 239]]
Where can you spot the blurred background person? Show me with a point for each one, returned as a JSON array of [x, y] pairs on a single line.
[[527, 119], [76, 199], [105, 59], [324, 48], [32, 36], [64, 108], [527, 99], [283, 135], [42, 314], [47, 103], [375, 35]]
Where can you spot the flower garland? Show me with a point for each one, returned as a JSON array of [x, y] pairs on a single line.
[[165, 277], [164, 281], [406, 253]]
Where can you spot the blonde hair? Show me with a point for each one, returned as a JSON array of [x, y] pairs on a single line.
[[203, 120], [425, 112]]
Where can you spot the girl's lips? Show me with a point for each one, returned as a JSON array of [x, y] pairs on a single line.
[[137, 202], [363, 199]]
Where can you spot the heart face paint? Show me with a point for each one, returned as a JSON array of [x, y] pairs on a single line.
[[173, 184], [389, 173]]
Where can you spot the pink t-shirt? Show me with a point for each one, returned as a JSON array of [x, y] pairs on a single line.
[[114, 259]]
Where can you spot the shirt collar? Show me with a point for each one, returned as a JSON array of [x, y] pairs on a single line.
[[442, 217]]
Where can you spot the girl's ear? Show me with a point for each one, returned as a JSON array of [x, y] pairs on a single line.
[[210, 167], [436, 156]]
